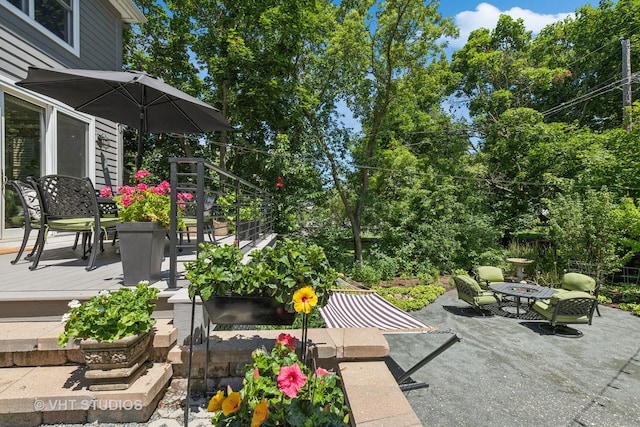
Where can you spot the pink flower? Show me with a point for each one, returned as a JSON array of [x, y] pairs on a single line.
[[291, 380], [321, 372], [106, 192], [256, 373], [165, 187], [126, 200], [286, 340], [142, 186], [127, 189], [139, 175], [185, 197]]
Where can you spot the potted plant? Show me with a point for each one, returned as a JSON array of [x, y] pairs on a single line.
[[273, 273], [114, 332], [278, 389], [144, 212]]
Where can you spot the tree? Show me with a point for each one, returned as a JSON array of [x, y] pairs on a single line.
[[379, 57]]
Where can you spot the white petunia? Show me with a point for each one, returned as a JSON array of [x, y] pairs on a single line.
[[74, 303], [65, 317], [143, 282], [104, 293]]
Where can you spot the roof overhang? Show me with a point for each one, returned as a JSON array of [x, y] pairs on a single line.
[[129, 11]]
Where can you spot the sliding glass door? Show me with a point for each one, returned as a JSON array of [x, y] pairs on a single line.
[[24, 131]]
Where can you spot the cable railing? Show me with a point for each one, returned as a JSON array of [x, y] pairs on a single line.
[[221, 208]]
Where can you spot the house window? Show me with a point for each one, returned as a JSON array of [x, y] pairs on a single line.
[[72, 146], [56, 16]]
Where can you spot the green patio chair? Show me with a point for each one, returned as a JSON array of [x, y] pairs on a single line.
[[570, 307], [470, 292], [581, 282], [486, 274]]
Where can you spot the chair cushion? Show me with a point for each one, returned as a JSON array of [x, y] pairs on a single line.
[[472, 283], [71, 224], [491, 274], [546, 309], [578, 282]]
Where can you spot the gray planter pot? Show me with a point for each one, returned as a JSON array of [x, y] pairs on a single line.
[[141, 250]]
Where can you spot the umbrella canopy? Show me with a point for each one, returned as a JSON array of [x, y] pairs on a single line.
[[130, 97]]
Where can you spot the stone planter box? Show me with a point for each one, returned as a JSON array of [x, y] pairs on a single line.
[[115, 365]]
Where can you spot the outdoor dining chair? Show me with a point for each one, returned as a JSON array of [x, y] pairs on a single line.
[[70, 204], [32, 214], [570, 307]]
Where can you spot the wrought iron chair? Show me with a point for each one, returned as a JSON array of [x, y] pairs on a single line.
[[32, 214], [70, 204], [581, 282], [470, 292], [570, 307]]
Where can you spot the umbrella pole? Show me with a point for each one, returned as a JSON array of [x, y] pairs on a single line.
[[140, 130]]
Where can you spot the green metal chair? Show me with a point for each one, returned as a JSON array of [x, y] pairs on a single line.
[[569, 307], [486, 274], [470, 292]]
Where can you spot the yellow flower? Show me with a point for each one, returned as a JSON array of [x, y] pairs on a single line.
[[260, 413], [215, 404], [231, 404], [304, 299]]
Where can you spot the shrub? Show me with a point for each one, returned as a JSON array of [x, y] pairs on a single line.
[[412, 298], [366, 274]]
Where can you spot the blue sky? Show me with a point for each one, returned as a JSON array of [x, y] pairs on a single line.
[[469, 15]]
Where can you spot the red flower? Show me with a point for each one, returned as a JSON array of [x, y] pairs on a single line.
[[286, 340], [291, 380]]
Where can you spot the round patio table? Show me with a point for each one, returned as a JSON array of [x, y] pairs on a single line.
[[522, 290]]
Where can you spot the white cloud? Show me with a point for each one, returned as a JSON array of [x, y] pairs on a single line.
[[486, 16]]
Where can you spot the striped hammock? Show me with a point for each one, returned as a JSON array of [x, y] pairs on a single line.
[[366, 309]]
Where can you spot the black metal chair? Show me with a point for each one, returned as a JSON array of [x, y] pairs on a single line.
[[70, 204], [32, 214]]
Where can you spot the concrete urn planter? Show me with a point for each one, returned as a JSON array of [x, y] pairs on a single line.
[[115, 365]]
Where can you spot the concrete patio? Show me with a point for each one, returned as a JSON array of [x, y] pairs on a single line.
[[504, 372]]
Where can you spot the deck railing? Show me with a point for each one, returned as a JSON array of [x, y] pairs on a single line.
[[224, 209]]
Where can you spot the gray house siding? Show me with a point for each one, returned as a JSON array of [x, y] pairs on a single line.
[[100, 45]]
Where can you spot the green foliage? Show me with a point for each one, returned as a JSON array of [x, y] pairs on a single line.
[[410, 298], [634, 308], [320, 401], [276, 272], [366, 274], [583, 230], [109, 316]]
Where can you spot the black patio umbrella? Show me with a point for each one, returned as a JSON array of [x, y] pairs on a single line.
[[130, 97]]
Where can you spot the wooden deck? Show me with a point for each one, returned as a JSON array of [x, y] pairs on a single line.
[[61, 277]]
